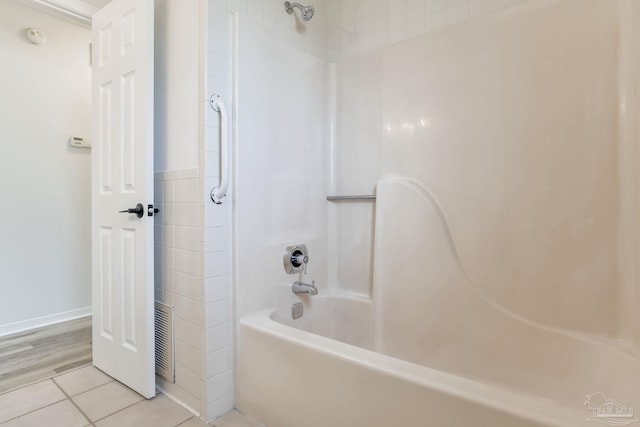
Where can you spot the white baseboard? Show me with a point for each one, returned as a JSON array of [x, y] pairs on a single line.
[[39, 322]]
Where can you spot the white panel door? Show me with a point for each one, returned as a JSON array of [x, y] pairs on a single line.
[[122, 177]]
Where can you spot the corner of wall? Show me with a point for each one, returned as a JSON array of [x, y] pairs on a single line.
[[215, 223]]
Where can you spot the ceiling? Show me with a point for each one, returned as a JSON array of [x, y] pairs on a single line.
[[77, 11]]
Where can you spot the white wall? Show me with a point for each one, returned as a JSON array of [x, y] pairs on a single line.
[[45, 251], [177, 84]]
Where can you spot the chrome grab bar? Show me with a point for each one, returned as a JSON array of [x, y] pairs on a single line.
[[218, 194], [344, 198]]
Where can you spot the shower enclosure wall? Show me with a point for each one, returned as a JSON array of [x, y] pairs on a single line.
[[495, 273]]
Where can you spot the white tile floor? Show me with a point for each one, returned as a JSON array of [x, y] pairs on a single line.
[[88, 397]]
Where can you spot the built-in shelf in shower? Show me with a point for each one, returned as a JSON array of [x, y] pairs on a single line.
[[346, 198]]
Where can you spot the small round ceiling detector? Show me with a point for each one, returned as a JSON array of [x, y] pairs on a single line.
[[36, 36]]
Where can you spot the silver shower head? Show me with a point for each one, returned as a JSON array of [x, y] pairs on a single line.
[[307, 11]]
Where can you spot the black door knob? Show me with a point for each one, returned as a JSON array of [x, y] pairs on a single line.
[[138, 210]]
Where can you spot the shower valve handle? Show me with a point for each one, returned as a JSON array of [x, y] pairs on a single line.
[[298, 260]]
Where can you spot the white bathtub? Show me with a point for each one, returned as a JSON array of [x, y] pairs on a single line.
[[429, 349], [289, 377]]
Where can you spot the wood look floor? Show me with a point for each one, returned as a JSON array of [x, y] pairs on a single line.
[[38, 354]]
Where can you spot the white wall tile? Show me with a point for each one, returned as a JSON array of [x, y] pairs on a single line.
[[195, 288], [503, 4], [218, 313], [221, 406], [414, 9], [480, 7], [219, 337], [219, 385], [187, 332], [397, 13], [216, 215], [218, 288], [180, 214], [458, 12], [168, 215], [218, 264], [187, 379], [178, 282], [218, 361], [186, 190], [168, 191], [181, 283], [169, 237], [217, 239], [415, 26], [433, 6], [180, 260], [187, 238], [396, 34], [189, 357], [169, 258], [193, 263]]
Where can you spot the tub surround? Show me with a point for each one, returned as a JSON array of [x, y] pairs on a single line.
[[491, 275], [524, 375], [458, 328], [503, 123]]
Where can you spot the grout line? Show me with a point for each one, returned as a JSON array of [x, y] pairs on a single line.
[[37, 409], [25, 386], [93, 388], [185, 421], [61, 389], [72, 402], [32, 411], [122, 409], [84, 391]]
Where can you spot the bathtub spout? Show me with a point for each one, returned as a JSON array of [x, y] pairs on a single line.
[[299, 287]]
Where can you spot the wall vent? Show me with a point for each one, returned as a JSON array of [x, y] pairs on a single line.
[[165, 363]]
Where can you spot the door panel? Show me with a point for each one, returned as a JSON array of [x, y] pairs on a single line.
[[123, 334]]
